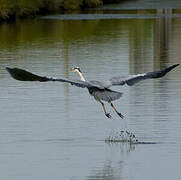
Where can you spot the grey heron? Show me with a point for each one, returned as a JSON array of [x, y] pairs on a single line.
[[99, 90]]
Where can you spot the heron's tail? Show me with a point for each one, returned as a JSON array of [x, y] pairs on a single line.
[[107, 94], [113, 95]]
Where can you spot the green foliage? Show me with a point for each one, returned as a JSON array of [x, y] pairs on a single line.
[[72, 4], [18, 8], [6, 8], [110, 1], [76, 4], [27, 7], [93, 3], [52, 5]]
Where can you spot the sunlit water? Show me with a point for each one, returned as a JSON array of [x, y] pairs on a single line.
[[57, 131]]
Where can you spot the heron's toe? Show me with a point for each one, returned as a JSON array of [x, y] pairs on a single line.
[[108, 115], [121, 115]]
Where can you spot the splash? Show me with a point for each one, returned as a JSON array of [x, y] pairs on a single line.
[[122, 136]]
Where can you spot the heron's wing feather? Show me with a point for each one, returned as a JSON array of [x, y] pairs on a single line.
[[133, 79], [23, 75]]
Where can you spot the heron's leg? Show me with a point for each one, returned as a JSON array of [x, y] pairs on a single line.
[[119, 114], [107, 114]]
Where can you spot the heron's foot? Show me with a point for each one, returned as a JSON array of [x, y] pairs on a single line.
[[120, 115], [108, 115]]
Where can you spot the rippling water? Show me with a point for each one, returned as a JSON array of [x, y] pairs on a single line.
[[57, 131]]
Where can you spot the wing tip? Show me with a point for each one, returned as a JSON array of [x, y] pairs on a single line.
[[171, 67], [8, 69], [175, 65]]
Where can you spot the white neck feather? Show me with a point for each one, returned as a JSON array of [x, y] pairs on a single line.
[[81, 76]]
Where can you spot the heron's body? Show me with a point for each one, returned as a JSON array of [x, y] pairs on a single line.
[[107, 95], [99, 90]]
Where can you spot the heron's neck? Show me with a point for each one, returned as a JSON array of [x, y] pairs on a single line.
[[81, 76]]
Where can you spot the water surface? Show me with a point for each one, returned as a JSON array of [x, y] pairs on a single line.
[[57, 131]]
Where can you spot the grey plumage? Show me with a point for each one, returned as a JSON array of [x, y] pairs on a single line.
[[133, 79], [104, 94], [99, 90]]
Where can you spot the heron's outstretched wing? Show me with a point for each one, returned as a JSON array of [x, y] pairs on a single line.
[[133, 79], [22, 75]]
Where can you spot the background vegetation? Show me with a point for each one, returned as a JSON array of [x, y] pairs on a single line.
[[19, 8]]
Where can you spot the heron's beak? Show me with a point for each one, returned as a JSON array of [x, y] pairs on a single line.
[[72, 70]]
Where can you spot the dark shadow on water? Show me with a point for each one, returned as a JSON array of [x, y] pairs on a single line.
[[108, 172], [131, 143]]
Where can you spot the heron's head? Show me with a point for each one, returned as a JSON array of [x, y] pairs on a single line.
[[76, 69]]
